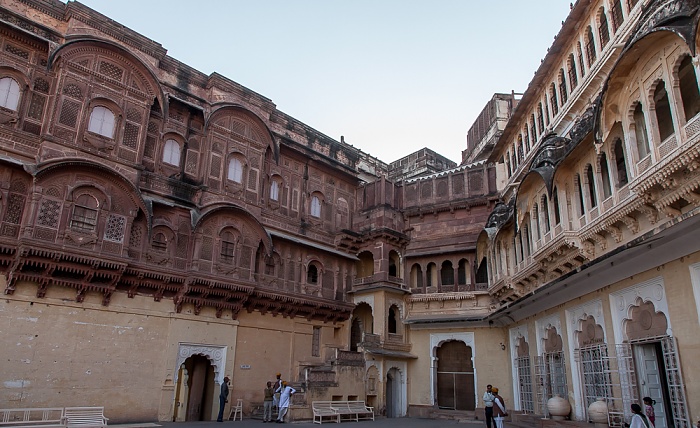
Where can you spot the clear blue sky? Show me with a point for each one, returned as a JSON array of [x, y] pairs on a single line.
[[392, 76]]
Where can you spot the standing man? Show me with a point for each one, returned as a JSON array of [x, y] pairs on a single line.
[[277, 387], [267, 403], [499, 408], [488, 405], [286, 392], [223, 399]]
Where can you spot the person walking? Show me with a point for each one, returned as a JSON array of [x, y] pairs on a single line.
[[223, 399], [499, 408], [488, 405], [267, 403], [286, 393]]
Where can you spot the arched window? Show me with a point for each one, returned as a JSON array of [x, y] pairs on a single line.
[[563, 91], [553, 99], [462, 272], [417, 276], [171, 153], [312, 274], [545, 213], [540, 118], [536, 219], [392, 320], [621, 164], [159, 242], [9, 93], [521, 153], [274, 190], [590, 46], [514, 160], [508, 166], [617, 17], [663, 111], [591, 186], [228, 247], [555, 201], [235, 170], [533, 129], [581, 205], [573, 78], [528, 239], [447, 273], [605, 176], [604, 30], [690, 95], [640, 131], [430, 274], [315, 210], [84, 218], [102, 122], [581, 63], [526, 133]]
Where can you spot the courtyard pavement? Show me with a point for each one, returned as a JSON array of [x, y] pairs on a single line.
[[378, 423]]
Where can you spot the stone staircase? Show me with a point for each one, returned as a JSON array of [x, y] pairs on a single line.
[[454, 415]]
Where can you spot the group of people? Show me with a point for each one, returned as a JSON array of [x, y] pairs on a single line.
[[276, 396], [494, 407], [646, 419]]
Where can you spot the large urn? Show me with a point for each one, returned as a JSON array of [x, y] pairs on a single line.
[[598, 413], [559, 408]]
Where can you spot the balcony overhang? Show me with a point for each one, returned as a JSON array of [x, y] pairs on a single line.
[[669, 241]]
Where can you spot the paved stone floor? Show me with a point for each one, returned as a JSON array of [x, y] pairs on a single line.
[[378, 423]]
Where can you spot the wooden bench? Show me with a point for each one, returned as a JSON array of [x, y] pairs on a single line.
[[323, 409], [85, 417], [37, 417], [354, 409]]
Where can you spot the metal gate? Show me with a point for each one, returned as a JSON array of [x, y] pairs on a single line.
[[523, 365]]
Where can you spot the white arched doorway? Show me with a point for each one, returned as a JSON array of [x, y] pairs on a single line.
[[198, 377]]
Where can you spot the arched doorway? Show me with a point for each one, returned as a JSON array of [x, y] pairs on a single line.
[[355, 334], [455, 376], [199, 373], [393, 393], [195, 389]]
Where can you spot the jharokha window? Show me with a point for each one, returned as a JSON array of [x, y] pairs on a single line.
[[159, 243], [235, 170], [171, 153], [274, 190], [9, 93], [228, 246], [84, 218], [315, 207], [102, 122], [312, 275]]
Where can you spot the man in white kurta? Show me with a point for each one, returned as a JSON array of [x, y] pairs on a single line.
[[286, 392]]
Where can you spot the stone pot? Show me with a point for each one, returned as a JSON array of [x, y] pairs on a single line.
[[598, 412], [559, 408]]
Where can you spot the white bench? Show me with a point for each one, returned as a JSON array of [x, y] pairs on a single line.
[[85, 417], [36, 417], [355, 409], [323, 409]]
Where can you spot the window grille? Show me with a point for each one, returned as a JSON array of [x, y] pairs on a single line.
[[316, 342], [227, 248], [604, 31], [523, 365], [590, 47], [550, 376], [616, 13], [679, 408], [114, 231]]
